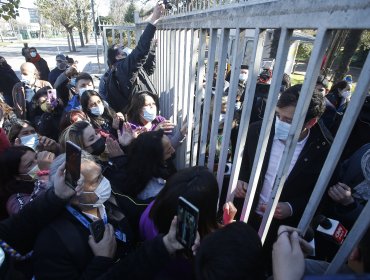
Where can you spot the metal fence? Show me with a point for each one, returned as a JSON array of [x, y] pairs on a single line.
[[196, 40]]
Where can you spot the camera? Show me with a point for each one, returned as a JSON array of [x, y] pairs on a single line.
[[167, 5]]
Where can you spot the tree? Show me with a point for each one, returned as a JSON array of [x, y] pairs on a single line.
[[79, 21], [9, 9], [60, 11], [130, 13], [117, 10], [350, 46]]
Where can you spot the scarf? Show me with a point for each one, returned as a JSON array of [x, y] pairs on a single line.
[[35, 59]]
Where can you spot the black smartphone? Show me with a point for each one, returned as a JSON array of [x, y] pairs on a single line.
[[187, 223], [73, 164], [97, 229]]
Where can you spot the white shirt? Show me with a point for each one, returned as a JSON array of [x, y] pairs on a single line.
[[154, 186], [102, 213], [277, 150]]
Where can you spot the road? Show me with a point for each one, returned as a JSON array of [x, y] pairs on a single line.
[[49, 48]]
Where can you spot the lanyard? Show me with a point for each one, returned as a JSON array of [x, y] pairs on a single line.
[[119, 234]]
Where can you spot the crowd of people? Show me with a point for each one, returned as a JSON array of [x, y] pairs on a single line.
[[129, 181]]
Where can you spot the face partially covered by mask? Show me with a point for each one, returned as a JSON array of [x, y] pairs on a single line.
[[98, 147], [103, 192], [97, 110], [281, 129], [30, 141]]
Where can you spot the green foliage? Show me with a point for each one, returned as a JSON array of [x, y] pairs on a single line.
[[58, 11], [304, 51], [9, 9], [130, 13]]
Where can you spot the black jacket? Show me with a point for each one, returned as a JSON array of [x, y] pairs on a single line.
[[302, 178], [43, 68], [20, 231], [8, 79], [132, 72], [62, 252]]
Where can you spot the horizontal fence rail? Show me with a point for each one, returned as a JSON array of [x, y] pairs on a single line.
[[198, 41]]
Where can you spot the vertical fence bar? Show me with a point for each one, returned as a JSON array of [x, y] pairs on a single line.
[[191, 91], [172, 78], [120, 37], [162, 48], [354, 237], [273, 94], [207, 101], [183, 76], [259, 37], [176, 75], [106, 46], [113, 35], [165, 77], [346, 126], [238, 54], [220, 83], [198, 94], [129, 33], [313, 69]]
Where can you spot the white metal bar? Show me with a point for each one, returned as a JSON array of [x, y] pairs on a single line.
[[176, 76], [173, 94], [347, 123], [166, 71], [220, 83], [207, 101], [354, 237], [198, 94], [190, 90], [161, 62], [259, 36], [120, 37], [106, 46], [238, 54], [129, 39], [273, 94], [313, 69]]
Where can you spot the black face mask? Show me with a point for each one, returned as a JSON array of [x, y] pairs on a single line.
[[98, 147]]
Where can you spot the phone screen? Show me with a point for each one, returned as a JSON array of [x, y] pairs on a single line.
[[73, 164], [52, 94], [187, 223]]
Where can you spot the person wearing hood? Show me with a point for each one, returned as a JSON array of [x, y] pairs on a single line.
[[40, 64], [24, 90], [61, 67], [8, 79]]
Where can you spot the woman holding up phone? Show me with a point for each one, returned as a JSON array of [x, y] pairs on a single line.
[[47, 110]]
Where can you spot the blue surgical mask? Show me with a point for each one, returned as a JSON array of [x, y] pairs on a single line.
[[281, 129], [30, 141], [73, 82], [97, 110], [150, 114]]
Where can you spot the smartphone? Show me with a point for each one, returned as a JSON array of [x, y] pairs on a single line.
[[97, 229], [52, 94], [73, 164], [187, 223]]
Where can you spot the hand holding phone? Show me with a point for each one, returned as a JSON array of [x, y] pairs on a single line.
[[73, 164], [187, 223]]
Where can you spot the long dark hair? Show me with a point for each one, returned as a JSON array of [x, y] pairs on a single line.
[[96, 120], [144, 161], [137, 104], [333, 96], [197, 185], [10, 160]]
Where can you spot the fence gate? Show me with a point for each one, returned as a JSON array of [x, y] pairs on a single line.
[[196, 39]]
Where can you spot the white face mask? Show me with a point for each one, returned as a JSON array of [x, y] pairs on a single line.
[[243, 77], [82, 90], [33, 54], [27, 80], [97, 110], [149, 113], [33, 172], [30, 141], [103, 192], [346, 94], [281, 129]]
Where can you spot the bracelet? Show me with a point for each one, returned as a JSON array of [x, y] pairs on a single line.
[[42, 172]]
